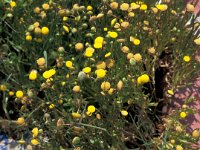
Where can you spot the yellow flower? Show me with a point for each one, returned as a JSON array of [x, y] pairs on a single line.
[[136, 42], [19, 94], [143, 79], [76, 115], [36, 10], [143, 7], [137, 57], [124, 6], [51, 106], [98, 39], [101, 65], [197, 41], [66, 29], [113, 34], [45, 30], [134, 6], [29, 38], [20, 121], [124, 113], [151, 50], [119, 85], [89, 8], [41, 61], [125, 49], [170, 92], [35, 132], [65, 19], [114, 5], [33, 75], [34, 142], [100, 73], [107, 54], [91, 109], [186, 58], [11, 93], [162, 7], [110, 91], [105, 86], [154, 10], [179, 147], [76, 88], [98, 45], [113, 21], [49, 73], [196, 133], [68, 64], [89, 52], [3, 87], [183, 115], [13, 4], [79, 46], [86, 69], [45, 6], [190, 7]]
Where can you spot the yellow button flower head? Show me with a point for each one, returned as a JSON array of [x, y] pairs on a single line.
[[51, 106], [76, 115], [101, 65], [190, 7], [34, 142], [114, 5], [143, 79], [3, 87], [113, 21], [162, 7], [143, 7], [179, 147], [19, 94], [137, 57], [136, 42], [112, 34], [45, 30], [68, 64], [196, 133], [49, 73], [183, 114], [29, 38], [100, 73], [186, 58], [134, 6], [35, 132], [89, 52], [170, 92], [91, 109], [197, 41], [33, 75], [79, 46], [45, 6], [20, 121], [41, 61], [76, 89], [87, 70], [13, 4], [89, 8], [124, 113], [11, 93], [124, 6], [105, 86], [98, 42]]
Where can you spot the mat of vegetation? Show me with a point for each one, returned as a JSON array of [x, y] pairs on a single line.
[[96, 74]]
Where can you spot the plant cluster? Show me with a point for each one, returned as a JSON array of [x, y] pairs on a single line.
[[97, 74]]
